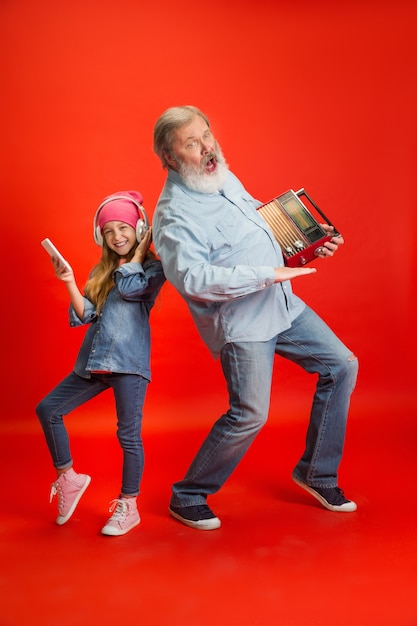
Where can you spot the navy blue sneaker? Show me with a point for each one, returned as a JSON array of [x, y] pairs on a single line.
[[332, 498], [199, 516]]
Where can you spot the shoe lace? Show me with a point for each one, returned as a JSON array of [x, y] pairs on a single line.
[[339, 496], [56, 490], [120, 508], [203, 508]]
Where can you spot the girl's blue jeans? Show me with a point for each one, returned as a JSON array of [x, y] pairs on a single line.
[[129, 393], [247, 367]]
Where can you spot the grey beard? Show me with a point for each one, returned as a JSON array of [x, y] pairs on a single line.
[[198, 180]]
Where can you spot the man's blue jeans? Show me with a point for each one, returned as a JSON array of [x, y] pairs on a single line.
[[247, 367], [129, 393]]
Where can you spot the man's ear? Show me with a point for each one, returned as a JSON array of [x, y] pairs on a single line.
[[171, 160]]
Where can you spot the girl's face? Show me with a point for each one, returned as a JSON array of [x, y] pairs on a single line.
[[119, 237]]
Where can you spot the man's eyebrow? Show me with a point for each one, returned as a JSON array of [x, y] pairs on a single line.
[[195, 136]]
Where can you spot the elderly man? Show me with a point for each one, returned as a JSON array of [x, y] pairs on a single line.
[[222, 257]]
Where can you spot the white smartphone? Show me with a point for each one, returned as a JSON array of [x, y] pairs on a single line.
[[54, 252]]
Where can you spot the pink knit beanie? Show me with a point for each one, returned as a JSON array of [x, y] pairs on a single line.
[[120, 208]]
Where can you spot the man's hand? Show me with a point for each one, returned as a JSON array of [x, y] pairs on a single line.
[[288, 273], [330, 247]]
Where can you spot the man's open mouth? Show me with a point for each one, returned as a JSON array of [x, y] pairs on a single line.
[[211, 165]]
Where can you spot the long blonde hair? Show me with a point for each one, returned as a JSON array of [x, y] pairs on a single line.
[[101, 281]]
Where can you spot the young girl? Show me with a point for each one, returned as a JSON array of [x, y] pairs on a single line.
[[115, 353]]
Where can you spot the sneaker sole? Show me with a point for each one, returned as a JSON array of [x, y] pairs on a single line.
[[111, 531], [348, 507], [203, 524], [60, 520]]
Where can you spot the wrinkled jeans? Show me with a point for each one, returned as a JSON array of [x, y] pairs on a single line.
[[247, 367], [129, 393]]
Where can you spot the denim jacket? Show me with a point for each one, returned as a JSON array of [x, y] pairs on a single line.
[[118, 339], [220, 254]]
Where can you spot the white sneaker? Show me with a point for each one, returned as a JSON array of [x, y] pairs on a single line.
[[124, 518]]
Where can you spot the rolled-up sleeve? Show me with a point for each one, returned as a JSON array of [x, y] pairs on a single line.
[[90, 314], [137, 282]]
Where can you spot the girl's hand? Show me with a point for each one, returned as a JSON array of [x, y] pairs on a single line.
[[143, 247], [67, 277], [62, 272]]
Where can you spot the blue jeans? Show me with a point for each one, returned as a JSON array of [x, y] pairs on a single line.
[[129, 392], [247, 367]]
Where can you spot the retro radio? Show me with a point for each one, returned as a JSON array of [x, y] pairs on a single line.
[[295, 227]]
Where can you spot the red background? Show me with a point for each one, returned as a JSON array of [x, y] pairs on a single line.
[[313, 93], [316, 94]]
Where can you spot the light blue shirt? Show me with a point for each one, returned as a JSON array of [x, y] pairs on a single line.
[[220, 254]]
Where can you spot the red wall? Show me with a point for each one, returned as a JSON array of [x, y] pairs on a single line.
[[317, 94]]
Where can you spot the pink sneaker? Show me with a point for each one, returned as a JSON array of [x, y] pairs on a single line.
[[69, 488], [124, 518]]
